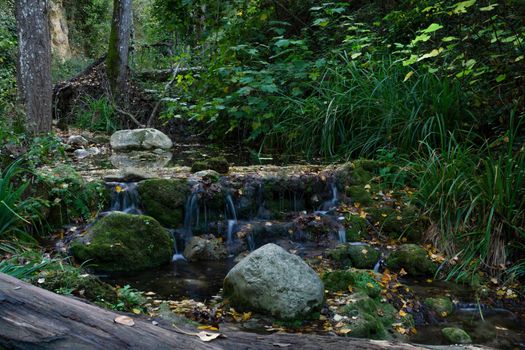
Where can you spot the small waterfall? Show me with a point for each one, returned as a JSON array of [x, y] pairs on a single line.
[[332, 203], [377, 266], [231, 227], [334, 200], [251, 242], [176, 255], [125, 197], [342, 235], [231, 207], [191, 216]]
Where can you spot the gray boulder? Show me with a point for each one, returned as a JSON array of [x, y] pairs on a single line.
[[205, 248], [77, 141], [272, 281], [140, 139]]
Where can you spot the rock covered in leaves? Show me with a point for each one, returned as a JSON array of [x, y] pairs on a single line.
[[272, 281], [123, 243], [413, 259], [456, 335], [140, 139], [205, 248], [164, 200]]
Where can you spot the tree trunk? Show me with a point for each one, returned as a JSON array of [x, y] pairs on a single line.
[[118, 50], [34, 64]]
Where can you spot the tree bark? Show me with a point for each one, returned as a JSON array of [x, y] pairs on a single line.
[[118, 50], [34, 318], [34, 64]]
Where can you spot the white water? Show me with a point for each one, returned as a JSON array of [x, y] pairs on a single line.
[[231, 227], [342, 235], [125, 197]]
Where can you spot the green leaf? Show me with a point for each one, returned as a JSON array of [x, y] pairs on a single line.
[[432, 28], [500, 78], [423, 37], [449, 39], [488, 8], [321, 22], [461, 7]]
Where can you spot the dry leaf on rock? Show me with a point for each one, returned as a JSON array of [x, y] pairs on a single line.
[[206, 336]]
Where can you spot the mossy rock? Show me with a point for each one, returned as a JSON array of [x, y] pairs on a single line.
[[164, 200], [360, 194], [124, 243], [413, 259], [340, 255], [359, 280], [356, 228], [369, 318], [398, 223], [219, 164], [363, 256], [456, 335], [442, 306], [82, 285]]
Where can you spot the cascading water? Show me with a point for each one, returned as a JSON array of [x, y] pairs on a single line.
[[330, 204], [342, 235], [125, 197], [231, 222], [176, 255], [191, 216]]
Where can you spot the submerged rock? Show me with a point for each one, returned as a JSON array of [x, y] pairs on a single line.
[[205, 248], [443, 306], [456, 335], [164, 200], [413, 259], [140, 159], [219, 164], [272, 281], [122, 242], [140, 139]]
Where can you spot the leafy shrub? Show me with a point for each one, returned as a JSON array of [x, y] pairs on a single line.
[[97, 115]]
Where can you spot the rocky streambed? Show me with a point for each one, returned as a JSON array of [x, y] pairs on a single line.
[[305, 248]]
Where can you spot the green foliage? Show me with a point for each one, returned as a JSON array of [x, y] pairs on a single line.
[[129, 299], [8, 45], [97, 115], [476, 201], [89, 22], [16, 210]]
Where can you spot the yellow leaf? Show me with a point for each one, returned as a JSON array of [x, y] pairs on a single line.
[[246, 316], [136, 311], [370, 285], [118, 189], [444, 314], [409, 74], [429, 280], [208, 328], [402, 313], [402, 272], [124, 320]]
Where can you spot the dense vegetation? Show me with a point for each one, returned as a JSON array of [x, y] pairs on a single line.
[[433, 89]]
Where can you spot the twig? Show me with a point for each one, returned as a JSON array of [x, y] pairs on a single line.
[[129, 115], [166, 87]]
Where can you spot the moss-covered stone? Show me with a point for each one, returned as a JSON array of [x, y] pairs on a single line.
[[363, 256], [397, 223], [362, 280], [356, 228], [340, 256], [71, 281], [456, 335], [442, 306], [123, 243], [360, 194], [164, 200], [413, 259], [368, 317], [219, 164]]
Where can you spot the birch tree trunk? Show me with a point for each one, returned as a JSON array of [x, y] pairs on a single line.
[[117, 59], [34, 64]]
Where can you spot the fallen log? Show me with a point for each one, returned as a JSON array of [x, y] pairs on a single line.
[[34, 318]]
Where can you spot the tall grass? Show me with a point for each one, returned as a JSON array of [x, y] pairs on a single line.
[[13, 205], [97, 114], [476, 200], [355, 110]]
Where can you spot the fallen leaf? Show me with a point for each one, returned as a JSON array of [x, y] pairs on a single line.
[[208, 328], [282, 345], [124, 320], [205, 336], [136, 311], [402, 313]]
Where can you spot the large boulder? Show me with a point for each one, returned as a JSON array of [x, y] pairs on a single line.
[[123, 243], [164, 199], [272, 281], [205, 248], [140, 139], [413, 259]]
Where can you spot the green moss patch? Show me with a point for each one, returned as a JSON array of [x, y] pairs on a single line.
[[164, 200], [413, 259], [123, 243]]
